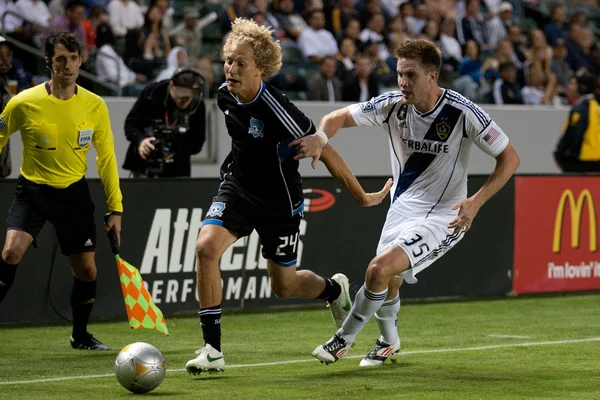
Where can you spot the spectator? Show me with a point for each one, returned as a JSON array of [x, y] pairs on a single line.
[[416, 22], [371, 8], [472, 81], [188, 34], [472, 27], [538, 52], [166, 11], [575, 53], [352, 31], [177, 59], [440, 9], [386, 76], [110, 66], [431, 32], [98, 16], [555, 29], [35, 11], [290, 22], [496, 27], [341, 14], [71, 21], [535, 92], [57, 7], [363, 85], [345, 59], [407, 12], [262, 6], [239, 8], [12, 22], [560, 67], [124, 15], [374, 33], [134, 50], [589, 49], [315, 42], [325, 86], [449, 45], [506, 89], [397, 29], [156, 39], [514, 35]]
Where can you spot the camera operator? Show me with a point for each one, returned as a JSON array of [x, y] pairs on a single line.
[[166, 126]]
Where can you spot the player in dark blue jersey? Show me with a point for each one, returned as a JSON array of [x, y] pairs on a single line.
[[261, 188]]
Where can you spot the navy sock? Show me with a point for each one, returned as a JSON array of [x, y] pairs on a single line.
[[332, 290], [210, 319]]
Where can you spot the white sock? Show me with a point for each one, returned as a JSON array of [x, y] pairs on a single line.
[[387, 320], [365, 306]]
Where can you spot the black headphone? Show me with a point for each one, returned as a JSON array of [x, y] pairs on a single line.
[[586, 83], [189, 78]]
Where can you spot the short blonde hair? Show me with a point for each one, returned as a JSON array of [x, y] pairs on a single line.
[[267, 52]]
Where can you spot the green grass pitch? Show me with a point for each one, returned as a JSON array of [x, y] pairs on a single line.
[[514, 348]]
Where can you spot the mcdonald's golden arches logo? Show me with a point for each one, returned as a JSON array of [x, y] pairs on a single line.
[[576, 208]]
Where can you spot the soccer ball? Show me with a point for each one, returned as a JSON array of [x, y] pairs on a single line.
[[140, 367]]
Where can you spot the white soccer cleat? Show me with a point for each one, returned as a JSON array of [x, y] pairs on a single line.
[[331, 351], [380, 353], [342, 305], [209, 359]]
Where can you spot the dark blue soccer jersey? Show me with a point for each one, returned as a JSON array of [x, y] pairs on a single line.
[[261, 165]]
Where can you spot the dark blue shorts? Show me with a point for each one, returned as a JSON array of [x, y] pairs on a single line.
[[279, 234]]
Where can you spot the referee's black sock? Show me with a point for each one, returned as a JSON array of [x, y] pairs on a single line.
[[83, 296], [210, 319], [332, 290], [7, 277]]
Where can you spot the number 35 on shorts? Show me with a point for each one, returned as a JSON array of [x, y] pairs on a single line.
[[288, 244], [416, 244]]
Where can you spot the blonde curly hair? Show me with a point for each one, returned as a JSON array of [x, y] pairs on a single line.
[[267, 52]]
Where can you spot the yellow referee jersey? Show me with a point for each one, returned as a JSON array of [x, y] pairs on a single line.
[[57, 135]]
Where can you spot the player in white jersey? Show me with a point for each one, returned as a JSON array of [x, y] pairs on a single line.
[[431, 131]]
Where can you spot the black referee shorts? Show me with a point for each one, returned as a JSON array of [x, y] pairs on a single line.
[[70, 210], [279, 235]]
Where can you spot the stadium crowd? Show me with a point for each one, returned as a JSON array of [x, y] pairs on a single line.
[[334, 50]]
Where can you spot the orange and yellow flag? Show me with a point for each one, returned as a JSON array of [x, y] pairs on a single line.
[[141, 310]]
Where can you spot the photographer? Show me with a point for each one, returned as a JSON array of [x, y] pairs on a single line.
[[166, 126]]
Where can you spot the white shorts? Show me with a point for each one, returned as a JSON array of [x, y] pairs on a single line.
[[424, 240]]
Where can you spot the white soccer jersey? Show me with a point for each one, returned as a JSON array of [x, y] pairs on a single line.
[[430, 151]]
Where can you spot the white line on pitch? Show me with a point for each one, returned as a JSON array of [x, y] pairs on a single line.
[[511, 336], [266, 364]]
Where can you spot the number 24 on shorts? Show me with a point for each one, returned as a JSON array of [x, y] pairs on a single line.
[[288, 241], [421, 248]]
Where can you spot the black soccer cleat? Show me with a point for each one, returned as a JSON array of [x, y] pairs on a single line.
[[88, 342]]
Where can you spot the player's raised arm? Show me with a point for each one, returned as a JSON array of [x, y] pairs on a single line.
[[342, 173], [334, 121]]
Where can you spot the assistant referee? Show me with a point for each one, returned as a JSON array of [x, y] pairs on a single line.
[[59, 121]]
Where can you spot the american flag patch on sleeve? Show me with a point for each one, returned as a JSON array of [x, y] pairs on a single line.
[[491, 136]]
